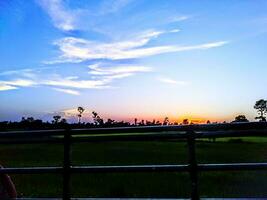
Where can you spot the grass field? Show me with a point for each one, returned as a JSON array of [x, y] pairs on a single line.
[[212, 184]]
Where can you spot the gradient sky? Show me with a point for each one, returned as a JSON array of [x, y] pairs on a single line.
[[132, 58]]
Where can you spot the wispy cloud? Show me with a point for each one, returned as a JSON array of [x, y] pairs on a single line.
[[62, 17], [77, 49], [63, 83], [19, 83], [125, 69], [78, 84], [112, 6], [16, 84], [67, 91], [171, 81], [4, 87], [99, 76], [180, 18]]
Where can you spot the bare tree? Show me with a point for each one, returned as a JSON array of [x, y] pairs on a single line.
[[80, 110]]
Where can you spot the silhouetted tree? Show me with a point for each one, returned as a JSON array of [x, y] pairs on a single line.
[[166, 121], [80, 110], [150, 123], [56, 119], [185, 121], [135, 121], [109, 122], [261, 107], [141, 123], [158, 123], [240, 118], [208, 122], [27, 121], [63, 121], [97, 119], [30, 119]]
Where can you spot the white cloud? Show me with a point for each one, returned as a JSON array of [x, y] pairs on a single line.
[[63, 18], [112, 6], [97, 70], [4, 87], [171, 81], [78, 50], [78, 84], [180, 18], [20, 82], [67, 91], [15, 84], [103, 78], [109, 73], [175, 31]]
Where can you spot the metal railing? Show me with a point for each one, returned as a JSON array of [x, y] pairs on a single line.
[[146, 133]]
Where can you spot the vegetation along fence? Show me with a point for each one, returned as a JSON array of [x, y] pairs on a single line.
[[188, 133]]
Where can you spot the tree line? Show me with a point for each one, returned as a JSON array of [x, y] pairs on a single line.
[[60, 122]]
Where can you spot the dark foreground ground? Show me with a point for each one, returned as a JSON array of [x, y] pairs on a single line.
[[164, 185]]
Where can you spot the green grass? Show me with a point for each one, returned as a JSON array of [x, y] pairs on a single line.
[[212, 184]]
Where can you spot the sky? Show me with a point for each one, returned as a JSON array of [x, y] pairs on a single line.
[[202, 60]]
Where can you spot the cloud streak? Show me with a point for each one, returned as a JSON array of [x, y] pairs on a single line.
[[112, 6], [62, 18], [78, 50], [171, 81], [4, 87], [103, 77], [67, 91], [125, 69], [180, 18]]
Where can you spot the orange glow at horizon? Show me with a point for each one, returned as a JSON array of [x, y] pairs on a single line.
[[196, 119]]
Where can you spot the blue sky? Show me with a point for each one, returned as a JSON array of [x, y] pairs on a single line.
[[128, 58]]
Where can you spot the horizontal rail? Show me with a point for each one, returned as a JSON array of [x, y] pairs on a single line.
[[31, 133], [232, 133], [129, 168], [31, 170], [232, 166], [32, 141], [134, 137], [139, 198], [135, 168], [192, 127], [140, 129]]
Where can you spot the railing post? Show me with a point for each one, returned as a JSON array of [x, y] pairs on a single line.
[[66, 165], [193, 165]]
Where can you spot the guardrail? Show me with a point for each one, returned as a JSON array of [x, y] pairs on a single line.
[[147, 133]]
